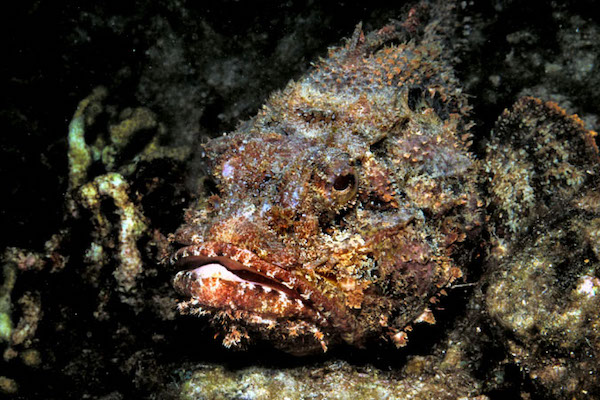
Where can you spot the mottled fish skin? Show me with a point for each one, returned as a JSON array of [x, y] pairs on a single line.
[[344, 208]]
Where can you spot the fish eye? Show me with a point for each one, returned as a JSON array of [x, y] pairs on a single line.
[[344, 182]]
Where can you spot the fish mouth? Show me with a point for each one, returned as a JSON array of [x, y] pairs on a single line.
[[221, 277]]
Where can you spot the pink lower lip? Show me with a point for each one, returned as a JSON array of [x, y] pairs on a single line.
[[215, 270], [237, 269]]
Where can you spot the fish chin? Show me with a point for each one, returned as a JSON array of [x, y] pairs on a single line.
[[247, 296]]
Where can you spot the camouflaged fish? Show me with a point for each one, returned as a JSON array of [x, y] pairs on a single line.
[[342, 210]]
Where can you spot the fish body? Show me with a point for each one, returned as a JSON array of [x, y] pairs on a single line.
[[342, 210]]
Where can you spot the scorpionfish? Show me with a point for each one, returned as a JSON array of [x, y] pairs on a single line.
[[344, 208]]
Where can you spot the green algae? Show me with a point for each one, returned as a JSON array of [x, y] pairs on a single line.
[[6, 323], [132, 224], [80, 155]]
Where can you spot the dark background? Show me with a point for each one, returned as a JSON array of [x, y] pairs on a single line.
[[204, 66]]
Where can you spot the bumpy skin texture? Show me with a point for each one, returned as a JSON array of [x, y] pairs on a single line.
[[344, 208]]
